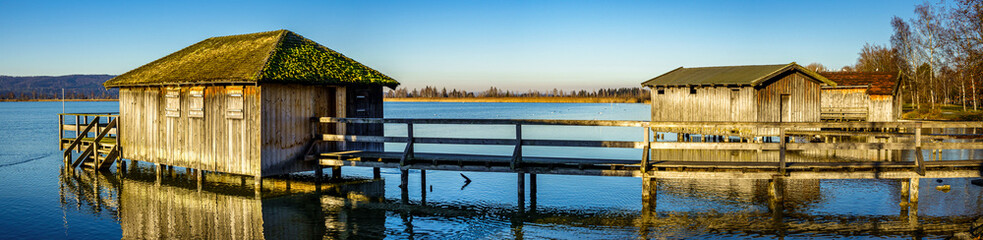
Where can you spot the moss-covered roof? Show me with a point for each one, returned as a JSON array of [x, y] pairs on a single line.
[[267, 57], [751, 75]]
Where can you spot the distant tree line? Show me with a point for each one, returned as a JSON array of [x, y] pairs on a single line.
[[938, 54], [84, 93], [434, 92], [52, 87]]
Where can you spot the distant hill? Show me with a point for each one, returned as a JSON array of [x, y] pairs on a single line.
[[50, 87]]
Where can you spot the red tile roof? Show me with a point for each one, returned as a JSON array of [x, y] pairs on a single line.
[[880, 83]]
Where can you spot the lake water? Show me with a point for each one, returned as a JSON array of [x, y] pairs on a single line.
[[42, 201]]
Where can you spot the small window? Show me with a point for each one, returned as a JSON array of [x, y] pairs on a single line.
[[172, 102], [661, 91], [233, 102], [196, 102], [692, 90]]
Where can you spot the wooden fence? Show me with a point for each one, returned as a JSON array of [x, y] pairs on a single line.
[[912, 129]]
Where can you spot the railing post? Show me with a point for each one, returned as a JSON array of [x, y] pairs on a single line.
[[517, 152], [647, 150], [781, 151], [919, 158], [61, 131], [408, 152]]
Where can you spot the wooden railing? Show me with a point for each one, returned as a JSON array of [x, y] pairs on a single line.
[[90, 129], [912, 129], [517, 142]]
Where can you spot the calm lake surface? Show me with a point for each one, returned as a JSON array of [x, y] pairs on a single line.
[[42, 201]]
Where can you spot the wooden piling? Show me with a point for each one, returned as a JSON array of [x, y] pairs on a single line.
[[404, 180], [423, 186], [532, 191], [521, 190], [913, 190], [376, 174], [336, 172], [318, 173]]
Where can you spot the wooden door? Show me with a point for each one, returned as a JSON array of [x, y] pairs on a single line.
[[785, 108]]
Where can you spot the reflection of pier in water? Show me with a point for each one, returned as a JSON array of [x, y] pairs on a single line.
[[226, 207]]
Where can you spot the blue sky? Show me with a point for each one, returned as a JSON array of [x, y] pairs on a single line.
[[472, 45]]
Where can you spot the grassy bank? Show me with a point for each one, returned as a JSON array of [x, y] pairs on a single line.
[[942, 113], [521, 99]]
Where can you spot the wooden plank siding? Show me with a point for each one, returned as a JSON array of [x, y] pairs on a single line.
[[364, 102], [287, 128], [709, 103], [212, 142], [804, 99], [838, 103], [883, 108]]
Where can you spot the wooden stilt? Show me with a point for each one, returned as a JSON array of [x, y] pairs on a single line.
[[532, 191], [404, 179], [423, 187], [336, 172], [318, 174], [376, 174], [521, 190]]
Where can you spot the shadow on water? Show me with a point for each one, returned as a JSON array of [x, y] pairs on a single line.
[[227, 207]]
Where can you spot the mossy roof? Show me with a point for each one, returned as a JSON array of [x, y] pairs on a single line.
[[266, 57], [750, 75]]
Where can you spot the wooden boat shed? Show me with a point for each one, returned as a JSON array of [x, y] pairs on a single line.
[[755, 93], [244, 104], [861, 96]]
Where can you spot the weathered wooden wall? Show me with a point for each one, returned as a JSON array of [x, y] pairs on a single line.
[[287, 131], [883, 108], [213, 142], [710, 103], [804, 99], [840, 101], [364, 102]]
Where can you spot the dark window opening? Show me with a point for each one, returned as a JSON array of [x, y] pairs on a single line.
[[662, 91], [692, 90]]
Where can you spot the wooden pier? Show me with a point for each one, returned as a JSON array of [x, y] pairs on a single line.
[[94, 143]]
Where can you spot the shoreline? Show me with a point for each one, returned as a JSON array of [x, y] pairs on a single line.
[[520, 99]]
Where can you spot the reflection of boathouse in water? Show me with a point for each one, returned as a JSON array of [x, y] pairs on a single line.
[[243, 104]]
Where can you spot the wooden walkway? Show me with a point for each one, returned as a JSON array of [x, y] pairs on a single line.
[[668, 168]]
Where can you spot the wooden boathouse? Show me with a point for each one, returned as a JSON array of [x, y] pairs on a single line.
[[861, 96], [243, 104], [756, 93]]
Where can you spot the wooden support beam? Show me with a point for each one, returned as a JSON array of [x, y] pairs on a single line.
[[781, 153], [521, 190], [532, 191], [647, 150], [423, 187], [376, 174], [919, 158], [61, 131], [913, 190], [517, 152], [408, 151], [404, 185], [336, 172], [318, 173]]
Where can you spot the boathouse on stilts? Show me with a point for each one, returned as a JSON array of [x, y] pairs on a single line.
[[861, 96], [756, 93], [246, 104]]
